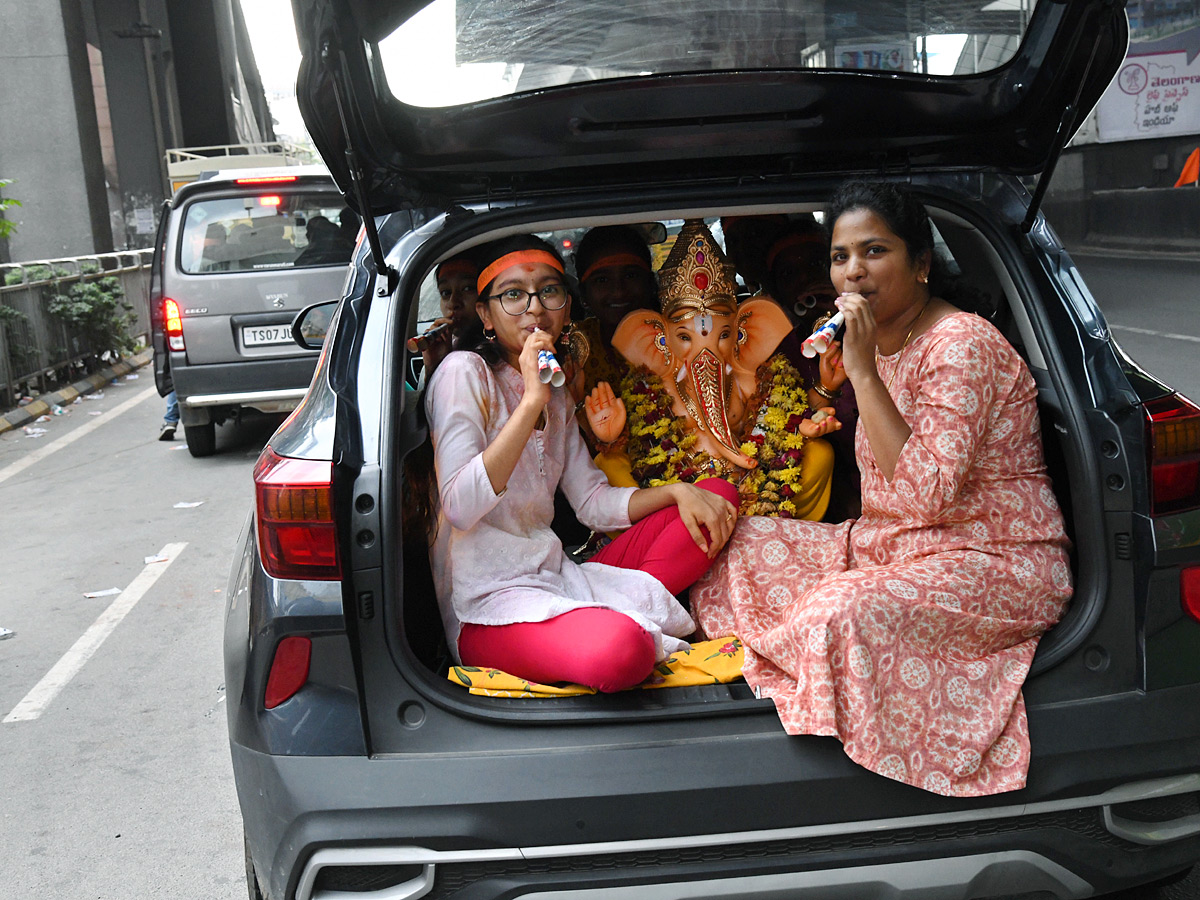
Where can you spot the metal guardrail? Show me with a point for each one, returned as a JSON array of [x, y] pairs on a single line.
[[36, 345]]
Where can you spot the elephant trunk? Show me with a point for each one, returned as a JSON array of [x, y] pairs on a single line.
[[706, 377]]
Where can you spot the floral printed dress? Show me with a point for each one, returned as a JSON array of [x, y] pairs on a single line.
[[908, 632]]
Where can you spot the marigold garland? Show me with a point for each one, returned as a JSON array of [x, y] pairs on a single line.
[[661, 451]]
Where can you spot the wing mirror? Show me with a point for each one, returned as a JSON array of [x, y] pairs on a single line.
[[312, 324]]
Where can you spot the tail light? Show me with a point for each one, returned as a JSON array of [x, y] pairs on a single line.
[[1189, 591], [297, 537], [173, 322], [1173, 435], [289, 670]]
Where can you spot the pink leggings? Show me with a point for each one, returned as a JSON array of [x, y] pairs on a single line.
[[596, 646]]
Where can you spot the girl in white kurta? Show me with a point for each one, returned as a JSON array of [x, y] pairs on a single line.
[[503, 441]]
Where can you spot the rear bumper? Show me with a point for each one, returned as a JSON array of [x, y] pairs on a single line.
[[269, 385], [339, 823]]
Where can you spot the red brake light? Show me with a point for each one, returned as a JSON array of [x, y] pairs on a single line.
[[297, 537], [289, 670], [1173, 435], [173, 323], [1189, 591], [270, 200], [267, 179]]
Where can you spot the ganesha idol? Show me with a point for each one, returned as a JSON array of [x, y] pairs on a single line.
[[707, 395]]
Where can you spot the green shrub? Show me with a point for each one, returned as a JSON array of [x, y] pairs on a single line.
[[98, 309]]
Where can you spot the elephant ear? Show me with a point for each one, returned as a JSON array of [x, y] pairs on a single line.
[[764, 324], [635, 339]]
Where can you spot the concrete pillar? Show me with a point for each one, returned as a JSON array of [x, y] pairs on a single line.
[[42, 145]]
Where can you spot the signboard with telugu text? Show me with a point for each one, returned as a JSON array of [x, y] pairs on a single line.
[[1156, 92]]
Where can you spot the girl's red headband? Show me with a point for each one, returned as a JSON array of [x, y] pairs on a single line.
[[515, 259]]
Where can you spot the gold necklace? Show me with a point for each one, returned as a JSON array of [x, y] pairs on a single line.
[[907, 338]]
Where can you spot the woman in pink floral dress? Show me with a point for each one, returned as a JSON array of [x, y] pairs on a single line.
[[908, 632]]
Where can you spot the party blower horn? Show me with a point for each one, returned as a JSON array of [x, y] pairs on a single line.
[[821, 339], [549, 370]]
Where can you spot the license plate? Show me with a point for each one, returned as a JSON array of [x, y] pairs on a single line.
[[262, 335]]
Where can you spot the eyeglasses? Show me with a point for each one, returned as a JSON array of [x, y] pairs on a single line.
[[516, 302]]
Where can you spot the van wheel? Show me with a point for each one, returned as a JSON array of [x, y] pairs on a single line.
[[201, 439]]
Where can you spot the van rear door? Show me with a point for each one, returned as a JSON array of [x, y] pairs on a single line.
[[248, 256]]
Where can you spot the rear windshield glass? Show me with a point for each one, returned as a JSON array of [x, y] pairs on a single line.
[[459, 52], [267, 230]]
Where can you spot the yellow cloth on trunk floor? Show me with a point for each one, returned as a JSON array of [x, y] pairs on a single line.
[[708, 662]]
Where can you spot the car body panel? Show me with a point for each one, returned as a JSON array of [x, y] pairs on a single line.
[[382, 778]]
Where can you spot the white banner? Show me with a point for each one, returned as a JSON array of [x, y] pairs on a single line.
[[1153, 95]]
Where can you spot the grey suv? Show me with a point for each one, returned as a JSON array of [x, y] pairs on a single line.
[[238, 254], [362, 771]]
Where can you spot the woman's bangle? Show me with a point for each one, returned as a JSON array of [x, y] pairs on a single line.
[[825, 392]]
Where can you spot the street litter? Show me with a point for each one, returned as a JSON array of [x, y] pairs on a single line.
[[191, 505], [99, 395], [42, 419], [76, 401], [34, 432], [131, 377], [24, 401], [57, 410], [96, 412], [107, 593], [6, 633], [156, 559]]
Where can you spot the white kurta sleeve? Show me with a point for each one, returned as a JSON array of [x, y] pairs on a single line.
[[599, 505], [456, 406]]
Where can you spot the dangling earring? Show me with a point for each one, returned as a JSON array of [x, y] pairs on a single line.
[[489, 335], [660, 341], [577, 344], [923, 278]]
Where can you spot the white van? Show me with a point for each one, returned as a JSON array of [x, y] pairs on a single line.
[[239, 253]]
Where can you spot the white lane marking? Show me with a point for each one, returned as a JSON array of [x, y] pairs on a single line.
[[36, 701], [42, 452], [1161, 334]]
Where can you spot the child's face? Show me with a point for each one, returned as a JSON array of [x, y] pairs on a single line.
[[512, 330], [458, 294]]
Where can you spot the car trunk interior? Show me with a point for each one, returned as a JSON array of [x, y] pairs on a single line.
[[983, 265]]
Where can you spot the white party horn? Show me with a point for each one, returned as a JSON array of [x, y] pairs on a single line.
[[821, 339], [549, 371]]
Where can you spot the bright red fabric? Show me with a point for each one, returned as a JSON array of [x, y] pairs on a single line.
[[598, 647]]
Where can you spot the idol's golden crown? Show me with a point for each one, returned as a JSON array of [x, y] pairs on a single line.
[[696, 279]]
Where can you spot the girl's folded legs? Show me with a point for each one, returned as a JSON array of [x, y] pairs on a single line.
[[660, 544], [593, 646]]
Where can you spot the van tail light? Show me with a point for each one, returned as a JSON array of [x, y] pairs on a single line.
[[297, 537], [1173, 435], [173, 322], [289, 670]]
